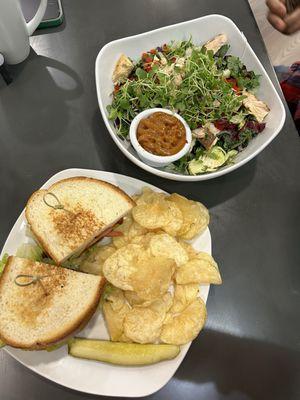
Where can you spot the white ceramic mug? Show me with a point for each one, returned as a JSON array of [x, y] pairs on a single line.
[[15, 32]]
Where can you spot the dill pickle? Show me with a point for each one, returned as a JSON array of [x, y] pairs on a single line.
[[121, 353]]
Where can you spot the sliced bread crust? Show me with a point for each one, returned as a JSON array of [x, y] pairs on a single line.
[[91, 206], [42, 314]]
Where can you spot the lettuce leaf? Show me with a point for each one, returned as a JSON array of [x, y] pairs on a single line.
[[30, 251], [3, 262]]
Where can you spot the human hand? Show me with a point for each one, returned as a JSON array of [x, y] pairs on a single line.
[[280, 19]]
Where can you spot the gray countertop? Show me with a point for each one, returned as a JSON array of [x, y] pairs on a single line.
[[49, 121]]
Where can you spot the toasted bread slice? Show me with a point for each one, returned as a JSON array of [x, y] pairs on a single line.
[[91, 206], [46, 312]]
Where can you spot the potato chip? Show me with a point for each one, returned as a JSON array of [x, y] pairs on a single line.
[[166, 246], [200, 269], [161, 214], [168, 318], [188, 248], [184, 327], [148, 196], [114, 321], [195, 216], [114, 309], [143, 325], [176, 219], [121, 265], [163, 304], [130, 230], [183, 296], [136, 230], [152, 276], [200, 224], [165, 301], [93, 264], [143, 240], [134, 300], [114, 296], [183, 204], [141, 265]]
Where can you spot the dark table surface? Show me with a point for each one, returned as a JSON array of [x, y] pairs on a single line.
[[49, 121]]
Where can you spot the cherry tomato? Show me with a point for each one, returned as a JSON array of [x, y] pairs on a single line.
[[233, 84], [220, 125]]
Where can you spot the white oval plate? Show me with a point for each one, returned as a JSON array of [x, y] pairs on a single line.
[[201, 30], [91, 376]]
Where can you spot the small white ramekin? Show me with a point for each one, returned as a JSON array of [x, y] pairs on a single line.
[[149, 158]]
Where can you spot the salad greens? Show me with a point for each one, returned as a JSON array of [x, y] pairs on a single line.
[[202, 96], [3, 261], [245, 79], [30, 251], [56, 346], [203, 87], [35, 253]]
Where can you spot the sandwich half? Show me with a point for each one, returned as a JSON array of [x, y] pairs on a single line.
[[56, 305], [74, 213]]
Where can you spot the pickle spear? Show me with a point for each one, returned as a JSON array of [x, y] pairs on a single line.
[[121, 353]]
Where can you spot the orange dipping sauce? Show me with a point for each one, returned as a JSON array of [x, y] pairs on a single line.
[[161, 134]]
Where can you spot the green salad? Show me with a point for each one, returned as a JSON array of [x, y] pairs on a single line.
[[211, 89]]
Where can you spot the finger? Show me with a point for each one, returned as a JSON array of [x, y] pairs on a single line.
[[277, 7], [293, 22], [277, 22]]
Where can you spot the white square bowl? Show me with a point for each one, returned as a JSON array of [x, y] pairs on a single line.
[[201, 30]]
